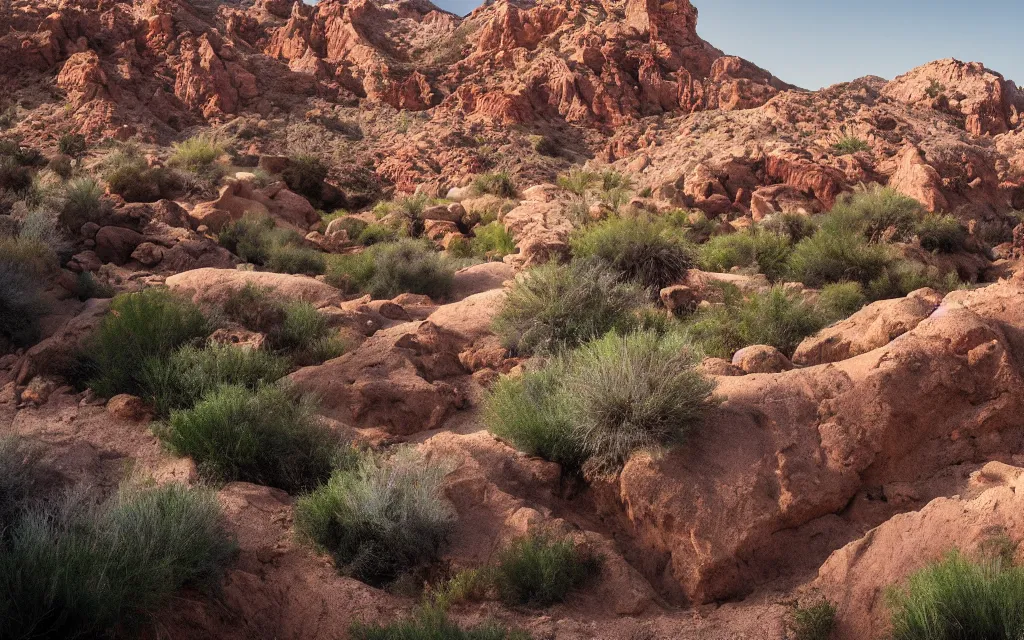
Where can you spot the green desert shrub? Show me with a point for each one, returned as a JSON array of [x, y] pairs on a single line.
[[196, 154], [904, 276], [942, 233], [354, 227], [795, 226], [959, 599], [266, 436], [305, 333], [813, 622], [258, 240], [555, 307], [376, 233], [88, 287], [642, 250], [81, 202], [841, 300], [79, 571], [144, 325], [539, 570], [430, 623], [492, 241], [289, 257], [13, 176], [72, 145], [389, 269], [763, 251], [63, 166], [129, 175], [498, 183], [833, 256], [255, 308], [775, 318], [638, 391], [850, 144], [21, 296], [531, 412], [22, 478], [305, 175], [188, 374], [577, 181], [248, 238], [381, 518], [877, 213]]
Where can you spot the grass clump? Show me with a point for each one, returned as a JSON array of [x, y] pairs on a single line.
[[814, 622], [78, 571], [555, 308], [848, 145], [196, 154], [290, 257], [880, 214], [389, 269], [763, 251], [841, 300], [492, 242], [642, 250], [21, 477], [380, 519], [941, 233], [72, 145], [266, 436], [129, 175], [376, 233], [775, 318], [498, 183], [833, 256], [305, 175], [256, 239], [959, 599], [188, 374], [81, 201], [539, 570], [431, 623]]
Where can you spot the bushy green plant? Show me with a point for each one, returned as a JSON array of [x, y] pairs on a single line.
[[431, 623], [577, 181], [284, 257], [764, 251], [877, 213], [813, 622], [88, 287], [492, 241], [129, 175], [149, 324], [642, 250], [903, 276], [389, 269], [376, 233], [63, 166], [81, 202], [196, 153], [266, 436], [553, 308], [498, 183], [831, 256], [22, 478], [942, 233], [72, 144], [531, 412], [14, 176], [256, 239], [959, 599], [795, 226], [638, 391], [841, 300], [305, 333], [183, 378], [75, 571], [255, 308], [539, 570], [354, 227], [381, 518], [850, 144], [305, 175], [775, 318]]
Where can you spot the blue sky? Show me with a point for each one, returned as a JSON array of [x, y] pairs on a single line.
[[813, 43]]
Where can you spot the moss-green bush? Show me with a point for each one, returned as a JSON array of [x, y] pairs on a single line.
[[258, 240], [553, 307], [81, 201], [850, 144], [833, 256], [196, 153], [22, 478], [76, 571], [813, 622], [72, 145], [498, 183], [942, 233], [957, 599], [642, 250], [380, 519], [129, 175], [539, 570], [841, 300], [763, 251], [877, 213], [376, 233], [266, 436], [492, 242], [389, 269]]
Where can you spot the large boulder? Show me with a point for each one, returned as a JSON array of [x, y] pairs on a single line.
[[213, 286], [541, 231], [754, 489], [116, 244]]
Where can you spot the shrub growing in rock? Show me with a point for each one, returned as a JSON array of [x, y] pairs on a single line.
[[381, 518], [266, 436], [196, 154], [763, 251], [957, 598], [248, 237], [539, 570], [877, 213], [431, 623], [72, 145], [554, 307], [837, 256], [21, 478], [492, 242], [813, 622], [257, 239], [644, 251], [81, 202], [129, 175], [942, 233], [498, 183], [76, 571], [841, 300], [290, 257], [141, 326], [305, 334], [850, 144], [389, 269], [21, 296]]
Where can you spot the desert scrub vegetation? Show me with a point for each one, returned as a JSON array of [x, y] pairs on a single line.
[[849, 145], [81, 201], [149, 324], [492, 242], [940, 233], [128, 174], [389, 269], [196, 154], [381, 518], [258, 240], [840, 300], [595, 406], [498, 183], [72, 145], [431, 623], [305, 175], [540, 570], [959, 598], [554, 307], [813, 622], [265, 436], [777, 318], [761, 251], [648, 252], [880, 214], [835, 256], [78, 570], [22, 306], [22, 477]]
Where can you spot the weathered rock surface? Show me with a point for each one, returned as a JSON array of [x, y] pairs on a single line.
[[213, 286]]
